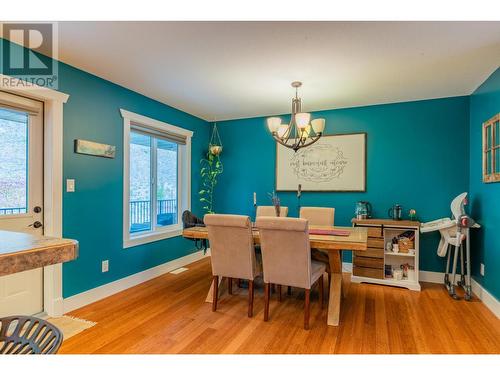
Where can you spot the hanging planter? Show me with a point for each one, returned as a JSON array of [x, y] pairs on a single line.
[[215, 145], [210, 171]]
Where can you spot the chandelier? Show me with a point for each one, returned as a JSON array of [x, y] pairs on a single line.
[[301, 131]]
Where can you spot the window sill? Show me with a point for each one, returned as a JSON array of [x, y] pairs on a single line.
[[152, 237]]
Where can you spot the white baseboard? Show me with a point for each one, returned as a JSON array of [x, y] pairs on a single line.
[[431, 277], [437, 277], [103, 291], [488, 299]]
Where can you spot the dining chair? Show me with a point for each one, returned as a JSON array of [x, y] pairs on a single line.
[[271, 211], [232, 253], [286, 258], [318, 215]]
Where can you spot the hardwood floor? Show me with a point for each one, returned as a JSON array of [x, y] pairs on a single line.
[[169, 315]]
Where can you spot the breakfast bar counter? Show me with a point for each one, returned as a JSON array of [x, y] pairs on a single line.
[[22, 251]]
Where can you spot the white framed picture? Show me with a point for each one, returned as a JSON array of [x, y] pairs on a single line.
[[333, 163]]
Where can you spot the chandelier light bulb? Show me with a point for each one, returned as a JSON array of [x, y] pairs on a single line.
[[318, 125], [282, 130], [273, 124], [305, 132], [302, 119]]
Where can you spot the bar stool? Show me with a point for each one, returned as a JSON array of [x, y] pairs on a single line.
[[28, 335]]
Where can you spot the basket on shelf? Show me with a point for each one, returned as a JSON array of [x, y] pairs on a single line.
[[405, 244]]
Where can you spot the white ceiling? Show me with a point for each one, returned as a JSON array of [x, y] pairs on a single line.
[[227, 70]]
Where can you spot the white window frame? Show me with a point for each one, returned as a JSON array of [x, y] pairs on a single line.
[[183, 179]]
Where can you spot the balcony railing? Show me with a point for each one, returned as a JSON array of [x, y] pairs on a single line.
[[140, 214], [12, 210]]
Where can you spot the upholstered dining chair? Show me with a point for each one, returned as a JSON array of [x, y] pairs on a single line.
[[286, 258], [232, 253], [270, 211], [318, 215]]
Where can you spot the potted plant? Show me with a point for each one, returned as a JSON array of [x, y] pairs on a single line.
[[211, 168]]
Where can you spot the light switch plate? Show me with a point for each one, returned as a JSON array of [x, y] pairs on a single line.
[[70, 185], [105, 266], [481, 269]]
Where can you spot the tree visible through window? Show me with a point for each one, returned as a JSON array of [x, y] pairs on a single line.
[[491, 149]]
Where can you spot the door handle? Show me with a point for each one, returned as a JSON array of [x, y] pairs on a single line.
[[36, 225]]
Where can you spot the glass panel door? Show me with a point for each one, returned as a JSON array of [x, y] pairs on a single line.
[[21, 195], [14, 153]]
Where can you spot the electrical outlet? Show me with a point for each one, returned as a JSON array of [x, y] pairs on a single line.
[[481, 269], [105, 266], [70, 185]]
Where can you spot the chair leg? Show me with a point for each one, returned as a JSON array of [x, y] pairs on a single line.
[[230, 285], [267, 293], [250, 298], [321, 291], [216, 293], [289, 292], [306, 308], [279, 292]]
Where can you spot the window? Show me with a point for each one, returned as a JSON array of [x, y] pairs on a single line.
[[157, 161], [491, 149], [13, 162]]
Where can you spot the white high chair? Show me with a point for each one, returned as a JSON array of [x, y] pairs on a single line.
[[453, 233]]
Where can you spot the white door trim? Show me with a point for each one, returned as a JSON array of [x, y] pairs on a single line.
[[53, 179]]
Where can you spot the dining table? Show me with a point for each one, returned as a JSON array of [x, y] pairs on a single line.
[[332, 240]]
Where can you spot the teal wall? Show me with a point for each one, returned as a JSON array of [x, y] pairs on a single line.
[[93, 214], [417, 156], [485, 198]]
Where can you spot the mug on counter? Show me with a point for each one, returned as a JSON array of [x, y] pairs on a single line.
[[398, 274]]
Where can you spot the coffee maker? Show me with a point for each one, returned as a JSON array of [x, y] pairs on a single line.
[[363, 210], [396, 212]]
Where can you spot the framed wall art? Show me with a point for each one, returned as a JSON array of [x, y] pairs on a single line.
[[333, 163], [94, 148]]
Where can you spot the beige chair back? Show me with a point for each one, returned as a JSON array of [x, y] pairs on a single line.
[[270, 211], [231, 246], [286, 253], [318, 215]]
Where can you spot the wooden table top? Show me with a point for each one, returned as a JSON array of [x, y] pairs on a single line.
[[22, 251], [355, 241]]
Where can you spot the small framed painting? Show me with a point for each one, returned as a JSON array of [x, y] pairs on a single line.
[[333, 163], [94, 148]]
